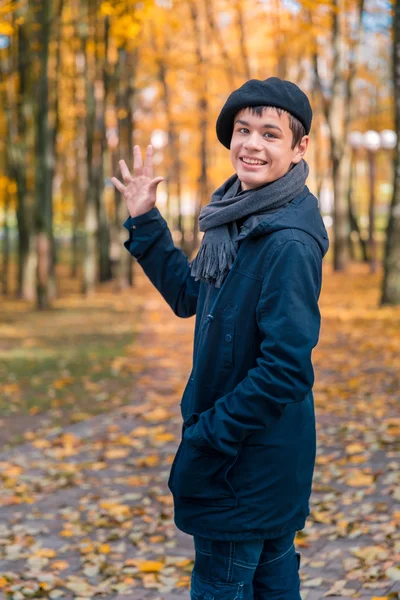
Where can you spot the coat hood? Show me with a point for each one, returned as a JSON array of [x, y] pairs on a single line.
[[301, 213]]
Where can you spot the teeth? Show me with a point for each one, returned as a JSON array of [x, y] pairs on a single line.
[[253, 162]]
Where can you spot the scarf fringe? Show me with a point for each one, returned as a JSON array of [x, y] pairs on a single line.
[[213, 262]]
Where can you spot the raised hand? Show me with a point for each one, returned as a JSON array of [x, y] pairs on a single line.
[[139, 189]]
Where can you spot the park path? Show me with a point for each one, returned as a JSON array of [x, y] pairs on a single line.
[[86, 512]]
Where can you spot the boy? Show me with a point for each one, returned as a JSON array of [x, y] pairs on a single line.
[[241, 478]]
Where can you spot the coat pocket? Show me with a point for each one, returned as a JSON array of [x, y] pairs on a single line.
[[200, 475]]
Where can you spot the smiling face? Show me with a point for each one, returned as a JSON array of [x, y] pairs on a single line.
[[261, 147]]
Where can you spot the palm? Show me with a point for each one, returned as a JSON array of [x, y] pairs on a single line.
[[139, 189]]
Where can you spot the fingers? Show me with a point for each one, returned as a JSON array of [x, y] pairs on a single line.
[[116, 182], [126, 176], [137, 161], [148, 162], [155, 182]]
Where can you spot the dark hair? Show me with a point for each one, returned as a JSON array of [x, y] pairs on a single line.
[[296, 127]]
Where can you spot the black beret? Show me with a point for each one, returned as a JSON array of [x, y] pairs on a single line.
[[270, 92]]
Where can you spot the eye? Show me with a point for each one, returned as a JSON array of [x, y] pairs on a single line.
[[242, 129], [271, 134]]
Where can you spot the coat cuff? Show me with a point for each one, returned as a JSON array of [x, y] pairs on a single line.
[[152, 216]]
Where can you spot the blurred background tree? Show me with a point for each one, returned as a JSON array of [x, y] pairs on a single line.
[[82, 81]]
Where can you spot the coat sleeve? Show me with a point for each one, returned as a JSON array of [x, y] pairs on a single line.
[[289, 322], [167, 266]]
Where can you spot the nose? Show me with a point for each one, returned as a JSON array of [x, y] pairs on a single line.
[[253, 141]]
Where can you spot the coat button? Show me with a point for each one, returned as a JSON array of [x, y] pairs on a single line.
[[228, 338]]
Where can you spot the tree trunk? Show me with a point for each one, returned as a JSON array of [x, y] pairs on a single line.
[[125, 106], [44, 158], [340, 212], [22, 148], [391, 279], [54, 125], [202, 189], [90, 216], [242, 39], [353, 220], [337, 106], [174, 161], [102, 81], [81, 167], [6, 249], [216, 34], [5, 167], [371, 224]]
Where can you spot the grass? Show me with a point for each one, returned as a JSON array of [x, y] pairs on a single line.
[[65, 365]]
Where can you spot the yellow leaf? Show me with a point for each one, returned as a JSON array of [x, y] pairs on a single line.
[[140, 431], [354, 448], [9, 388], [322, 517], [59, 565], [183, 563], [115, 509], [164, 437], [66, 533], [62, 382], [124, 440], [167, 499], [6, 29], [106, 9], [148, 461], [148, 566], [12, 471], [44, 585], [41, 444], [45, 552], [86, 547], [3, 582], [104, 548], [184, 581], [116, 453], [359, 480], [98, 466], [158, 414]]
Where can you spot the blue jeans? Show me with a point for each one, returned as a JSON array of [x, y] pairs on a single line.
[[248, 570]]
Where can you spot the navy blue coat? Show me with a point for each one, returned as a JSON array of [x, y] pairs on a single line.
[[243, 469]]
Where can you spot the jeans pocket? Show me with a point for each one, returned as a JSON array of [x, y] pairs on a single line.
[[199, 475], [202, 589]]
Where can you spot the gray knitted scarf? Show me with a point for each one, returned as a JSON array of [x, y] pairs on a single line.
[[218, 249]]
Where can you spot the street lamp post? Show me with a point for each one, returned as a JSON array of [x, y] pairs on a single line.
[[356, 140], [372, 143]]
